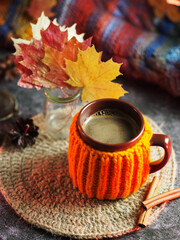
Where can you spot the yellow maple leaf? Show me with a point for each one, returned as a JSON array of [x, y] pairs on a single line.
[[94, 76]]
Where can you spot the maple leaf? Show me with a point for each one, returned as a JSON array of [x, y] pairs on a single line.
[[43, 23], [56, 60], [94, 76], [41, 61], [54, 37], [33, 70]]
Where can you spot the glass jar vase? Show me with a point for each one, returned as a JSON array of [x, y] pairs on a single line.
[[61, 104]]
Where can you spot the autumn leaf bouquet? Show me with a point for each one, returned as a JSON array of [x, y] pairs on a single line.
[[58, 58]]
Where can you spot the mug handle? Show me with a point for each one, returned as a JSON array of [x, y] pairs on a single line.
[[163, 141]]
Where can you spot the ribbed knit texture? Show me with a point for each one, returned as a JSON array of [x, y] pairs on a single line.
[[108, 175]]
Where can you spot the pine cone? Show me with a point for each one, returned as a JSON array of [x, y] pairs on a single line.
[[23, 133], [8, 69]]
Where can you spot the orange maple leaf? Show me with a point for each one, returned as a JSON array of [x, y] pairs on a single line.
[[94, 76], [41, 62]]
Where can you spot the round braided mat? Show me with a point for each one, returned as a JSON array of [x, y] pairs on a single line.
[[35, 181]]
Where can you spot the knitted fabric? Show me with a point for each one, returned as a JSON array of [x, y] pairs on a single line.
[[131, 33], [108, 175], [35, 182]]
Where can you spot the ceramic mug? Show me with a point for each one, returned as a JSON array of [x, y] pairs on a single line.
[[110, 171]]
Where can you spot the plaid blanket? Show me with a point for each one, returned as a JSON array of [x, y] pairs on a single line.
[[144, 35]]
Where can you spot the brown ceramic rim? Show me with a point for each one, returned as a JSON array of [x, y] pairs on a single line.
[[111, 103]]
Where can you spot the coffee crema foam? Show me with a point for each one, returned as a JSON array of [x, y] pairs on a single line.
[[110, 126]]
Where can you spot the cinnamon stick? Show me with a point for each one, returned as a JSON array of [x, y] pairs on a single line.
[[153, 190], [170, 195]]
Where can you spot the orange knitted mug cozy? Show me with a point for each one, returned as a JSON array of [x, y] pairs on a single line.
[[108, 175]]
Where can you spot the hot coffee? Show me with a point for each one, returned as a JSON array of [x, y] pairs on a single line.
[[112, 169], [110, 126]]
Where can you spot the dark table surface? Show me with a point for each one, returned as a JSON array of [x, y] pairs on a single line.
[[153, 102]]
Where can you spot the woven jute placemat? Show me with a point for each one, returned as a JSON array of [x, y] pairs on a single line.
[[35, 181]]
